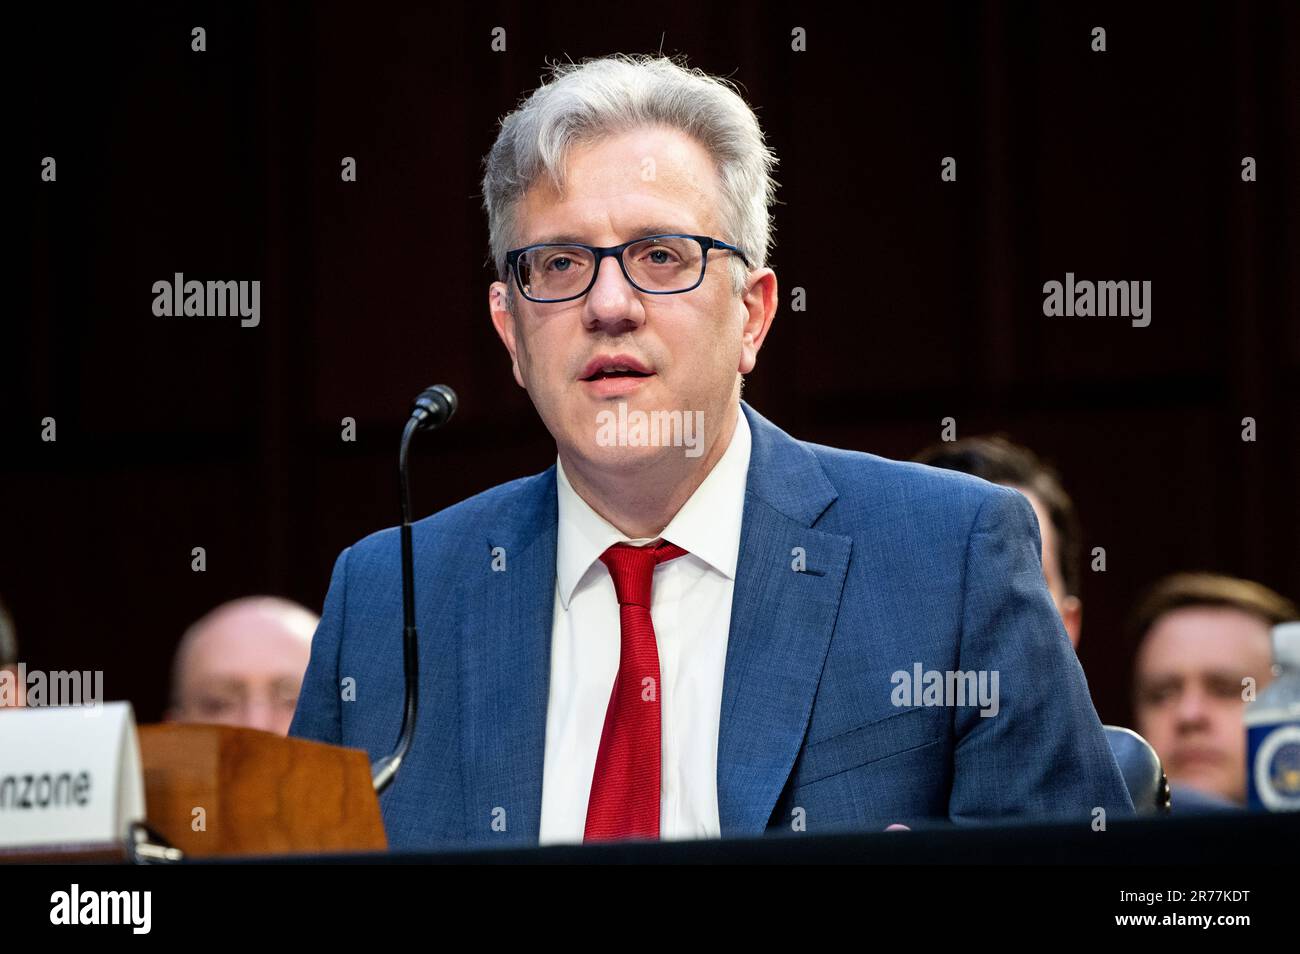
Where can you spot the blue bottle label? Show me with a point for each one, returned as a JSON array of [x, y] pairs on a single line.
[[1273, 766]]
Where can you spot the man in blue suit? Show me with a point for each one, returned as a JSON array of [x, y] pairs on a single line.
[[692, 625]]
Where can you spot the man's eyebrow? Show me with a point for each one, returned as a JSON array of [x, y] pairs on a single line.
[[1144, 684], [641, 231], [1222, 676]]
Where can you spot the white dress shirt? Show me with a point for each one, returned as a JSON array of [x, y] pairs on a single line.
[[691, 610]]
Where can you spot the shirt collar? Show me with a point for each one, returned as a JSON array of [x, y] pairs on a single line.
[[707, 525]]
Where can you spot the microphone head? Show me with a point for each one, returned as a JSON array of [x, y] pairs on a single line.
[[434, 406]]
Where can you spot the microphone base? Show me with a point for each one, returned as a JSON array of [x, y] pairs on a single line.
[[382, 771]]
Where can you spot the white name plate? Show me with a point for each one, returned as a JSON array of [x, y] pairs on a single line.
[[69, 775]]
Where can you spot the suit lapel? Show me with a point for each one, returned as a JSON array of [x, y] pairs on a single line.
[[506, 667], [781, 623]]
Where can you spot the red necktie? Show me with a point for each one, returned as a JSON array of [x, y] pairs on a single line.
[[624, 800]]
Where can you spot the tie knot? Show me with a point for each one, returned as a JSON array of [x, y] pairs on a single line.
[[632, 569]]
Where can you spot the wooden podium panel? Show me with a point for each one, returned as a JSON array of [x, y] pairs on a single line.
[[215, 790]]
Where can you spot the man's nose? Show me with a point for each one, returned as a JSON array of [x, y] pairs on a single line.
[[612, 302], [260, 714], [1192, 708]]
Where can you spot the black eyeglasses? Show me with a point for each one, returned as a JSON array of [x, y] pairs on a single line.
[[657, 265]]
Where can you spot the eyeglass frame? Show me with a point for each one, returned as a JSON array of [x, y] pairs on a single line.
[[707, 243]]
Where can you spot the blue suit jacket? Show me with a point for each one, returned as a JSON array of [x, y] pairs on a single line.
[[902, 565]]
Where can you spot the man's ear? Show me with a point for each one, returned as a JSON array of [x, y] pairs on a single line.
[[1072, 617], [759, 302], [504, 322]]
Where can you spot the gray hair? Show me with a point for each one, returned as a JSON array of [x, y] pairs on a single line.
[[584, 103]]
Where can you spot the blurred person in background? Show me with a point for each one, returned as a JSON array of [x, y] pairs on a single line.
[[999, 461], [242, 664], [14, 692], [1201, 636]]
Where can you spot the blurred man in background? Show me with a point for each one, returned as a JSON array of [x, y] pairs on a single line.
[[242, 664], [1201, 637], [999, 461], [15, 691]]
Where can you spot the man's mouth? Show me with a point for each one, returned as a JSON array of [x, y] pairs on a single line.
[[615, 373], [1199, 755], [614, 366]]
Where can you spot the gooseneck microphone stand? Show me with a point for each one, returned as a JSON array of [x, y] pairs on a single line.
[[433, 408]]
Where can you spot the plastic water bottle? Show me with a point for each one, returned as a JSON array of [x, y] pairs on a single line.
[[1273, 731]]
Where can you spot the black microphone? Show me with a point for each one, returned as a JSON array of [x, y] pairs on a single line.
[[432, 408]]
